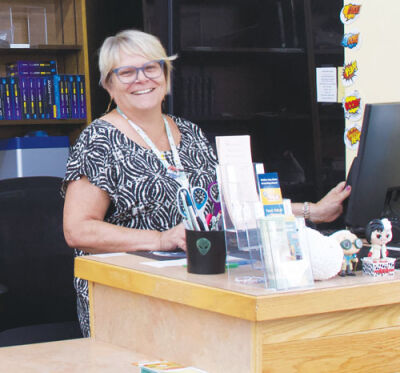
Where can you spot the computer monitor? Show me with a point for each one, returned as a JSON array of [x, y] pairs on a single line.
[[375, 172]]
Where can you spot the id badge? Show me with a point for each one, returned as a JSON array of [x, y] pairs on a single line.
[[177, 174]]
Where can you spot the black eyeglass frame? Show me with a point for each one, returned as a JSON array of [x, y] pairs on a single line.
[[347, 244]]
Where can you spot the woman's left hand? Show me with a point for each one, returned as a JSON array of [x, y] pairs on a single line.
[[330, 207]]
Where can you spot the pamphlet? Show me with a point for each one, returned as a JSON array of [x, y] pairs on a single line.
[[162, 366], [271, 195], [237, 182]]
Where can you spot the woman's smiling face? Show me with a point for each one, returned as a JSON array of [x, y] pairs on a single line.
[[140, 95]]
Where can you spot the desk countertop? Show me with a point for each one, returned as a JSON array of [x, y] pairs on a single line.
[[71, 356], [221, 294]]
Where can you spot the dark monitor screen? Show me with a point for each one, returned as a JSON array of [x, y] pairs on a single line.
[[375, 172]]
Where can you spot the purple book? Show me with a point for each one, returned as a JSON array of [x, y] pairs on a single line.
[[81, 95], [40, 88], [74, 97], [67, 96], [25, 97], [63, 107], [31, 68], [2, 88], [43, 66], [57, 96], [7, 98], [15, 98], [33, 97], [13, 68]]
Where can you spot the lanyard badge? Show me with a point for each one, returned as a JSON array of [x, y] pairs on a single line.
[[175, 172]]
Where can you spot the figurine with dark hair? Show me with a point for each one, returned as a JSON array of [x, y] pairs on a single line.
[[378, 233]]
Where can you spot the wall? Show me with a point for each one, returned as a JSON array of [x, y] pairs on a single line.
[[378, 57]]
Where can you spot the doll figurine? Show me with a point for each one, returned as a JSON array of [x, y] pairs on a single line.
[[378, 233], [350, 245]]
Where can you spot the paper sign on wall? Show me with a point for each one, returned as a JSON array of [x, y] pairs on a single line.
[[326, 84]]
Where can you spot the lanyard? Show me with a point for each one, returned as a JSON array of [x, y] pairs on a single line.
[[177, 172]]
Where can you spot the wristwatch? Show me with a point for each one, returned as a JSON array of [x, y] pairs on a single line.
[[306, 210]]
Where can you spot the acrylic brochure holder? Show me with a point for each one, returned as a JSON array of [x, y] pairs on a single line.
[[285, 252], [269, 252], [25, 25], [266, 252], [245, 263]]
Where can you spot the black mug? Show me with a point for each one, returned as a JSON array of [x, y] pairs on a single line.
[[206, 252]]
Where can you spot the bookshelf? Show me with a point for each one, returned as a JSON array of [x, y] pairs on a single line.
[[64, 41], [248, 67]]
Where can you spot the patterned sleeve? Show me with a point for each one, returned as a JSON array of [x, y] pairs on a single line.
[[90, 157], [211, 150], [200, 140]]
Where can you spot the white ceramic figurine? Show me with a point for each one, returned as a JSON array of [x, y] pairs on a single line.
[[378, 233]]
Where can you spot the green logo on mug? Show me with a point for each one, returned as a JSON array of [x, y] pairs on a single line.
[[204, 245]]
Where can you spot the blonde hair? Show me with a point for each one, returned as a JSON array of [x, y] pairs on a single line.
[[132, 42]]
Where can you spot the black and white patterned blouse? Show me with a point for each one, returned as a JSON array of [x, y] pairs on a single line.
[[142, 195]]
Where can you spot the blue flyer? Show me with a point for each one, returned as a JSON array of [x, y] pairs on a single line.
[[271, 195]]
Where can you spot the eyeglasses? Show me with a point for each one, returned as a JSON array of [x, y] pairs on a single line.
[[346, 244], [129, 74]]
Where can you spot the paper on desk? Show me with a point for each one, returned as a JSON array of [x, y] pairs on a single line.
[[234, 150], [164, 366], [109, 254], [166, 263]]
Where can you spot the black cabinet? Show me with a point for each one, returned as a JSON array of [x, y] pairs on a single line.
[[248, 67]]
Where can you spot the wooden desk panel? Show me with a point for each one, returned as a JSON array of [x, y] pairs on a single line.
[[375, 351], [172, 331], [219, 326]]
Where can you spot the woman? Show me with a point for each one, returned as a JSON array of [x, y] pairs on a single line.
[[120, 188], [125, 169]]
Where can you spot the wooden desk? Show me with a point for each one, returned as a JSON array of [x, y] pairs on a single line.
[[71, 356], [344, 324]]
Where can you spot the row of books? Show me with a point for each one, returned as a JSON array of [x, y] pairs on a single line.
[[31, 68], [51, 96]]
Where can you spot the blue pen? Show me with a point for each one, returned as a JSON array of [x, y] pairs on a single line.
[[187, 220], [188, 211], [191, 208]]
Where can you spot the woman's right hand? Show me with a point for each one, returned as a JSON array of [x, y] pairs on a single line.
[[85, 229], [173, 238]]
